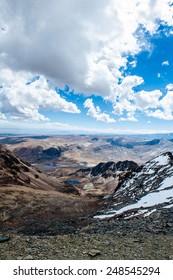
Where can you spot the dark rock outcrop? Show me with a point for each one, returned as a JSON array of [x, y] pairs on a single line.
[[111, 168]]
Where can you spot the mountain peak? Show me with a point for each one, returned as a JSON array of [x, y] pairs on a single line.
[[146, 190], [163, 159], [106, 169]]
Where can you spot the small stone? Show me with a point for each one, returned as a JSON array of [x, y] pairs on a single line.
[[84, 253], [29, 257], [116, 250], [94, 253], [4, 239], [169, 224]]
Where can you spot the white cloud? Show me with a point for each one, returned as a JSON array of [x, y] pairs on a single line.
[[85, 44], [159, 114], [80, 43], [125, 89], [95, 112], [151, 103], [20, 99], [158, 75], [147, 99], [169, 87], [167, 101], [166, 63], [125, 97], [164, 108], [133, 63]]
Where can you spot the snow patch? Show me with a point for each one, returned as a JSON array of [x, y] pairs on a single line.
[[149, 171], [161, 160], [168, 182], [140, 212], [149, 212], [104, 216], [169, 206], [150, 200]]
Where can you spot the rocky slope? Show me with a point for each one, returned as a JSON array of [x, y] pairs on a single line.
[[40, 155], [145, 191], [28, 196], [16, 172], [108, 169], [103, 178]]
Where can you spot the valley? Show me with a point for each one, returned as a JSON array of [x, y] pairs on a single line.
[[87, 187]]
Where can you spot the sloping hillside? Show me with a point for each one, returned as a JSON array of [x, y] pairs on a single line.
[[147, 190], [29, 197]]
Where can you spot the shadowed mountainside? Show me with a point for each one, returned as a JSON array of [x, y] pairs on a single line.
[[28, 197]]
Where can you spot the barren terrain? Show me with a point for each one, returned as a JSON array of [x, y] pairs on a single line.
[[52, 207]]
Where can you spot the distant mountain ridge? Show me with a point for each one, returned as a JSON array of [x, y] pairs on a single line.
[[88, 150], [120, 142]]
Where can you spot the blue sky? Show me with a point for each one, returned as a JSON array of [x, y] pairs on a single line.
[[100, 67]]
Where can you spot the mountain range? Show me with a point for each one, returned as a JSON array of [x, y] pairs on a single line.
[[110, 190], [86, 150]]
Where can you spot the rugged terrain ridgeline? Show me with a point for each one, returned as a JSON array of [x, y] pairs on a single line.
[[102, 179], [108, 169], [146, 191], [28, 197], [16, 172]]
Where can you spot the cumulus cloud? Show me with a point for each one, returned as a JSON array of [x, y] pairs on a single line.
[[166, 63], [125, 97], [95, 112], [159, 114], [150, 103], [125, 89], [85, 44], [167, 102], [75, 42], [169, 87], [147, 99], [164, 109], [24, 97]]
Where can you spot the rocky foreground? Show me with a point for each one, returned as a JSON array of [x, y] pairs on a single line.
[[88, 246], [142, 238]]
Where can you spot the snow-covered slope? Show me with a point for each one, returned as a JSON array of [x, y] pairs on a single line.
[[146, 190]]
